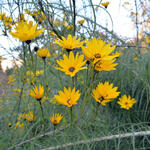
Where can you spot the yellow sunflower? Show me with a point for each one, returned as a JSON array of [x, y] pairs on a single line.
[[56, 118], [43, 53], [97, 49], [105, 93], [68, 97], [105, 4], [105, 65], [37, 93], [81, 22], [69, 43], [126, 102], [72, 64], [100, 54], [25, 31]]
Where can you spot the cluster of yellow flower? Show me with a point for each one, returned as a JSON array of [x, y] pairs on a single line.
[[31, 77], [7, 21], [99, 55], [37, 15], [21, 118], [11, 80]]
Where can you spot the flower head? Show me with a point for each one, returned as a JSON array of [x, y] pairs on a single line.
[[37, 93], [69, 43], [81, 22], [43, 52], [126, 102], [56, 118], [105, 4], [29, 116], [105, 65], [9, 124], [25, 32], [72, 64], [105, 93], [68, 97], [99, 54]]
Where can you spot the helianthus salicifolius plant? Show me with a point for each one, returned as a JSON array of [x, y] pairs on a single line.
[[69, 43], [68, 98], [43, 53], [105, 93], [99, 54], [56, 118], [25, 31], [71, 64], [105, 4], [126, 102], [37, 93]]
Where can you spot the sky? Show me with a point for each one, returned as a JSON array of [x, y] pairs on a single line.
[[122, 24]]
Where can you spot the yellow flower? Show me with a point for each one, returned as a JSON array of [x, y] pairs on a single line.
[[105, 65], [68, 97], [117, 54], [135, 58], [126, 102], [69, 27], [30, 73], [69, 43], [18, 124], [25, 32], [56, 118], [43, 52], [105, 4], [148, 40], [37, 93], [30, 116], [105, 93], [97, 49], [39, 72], [9, 124], [19, 117], [99, 54], [11, 79], [52, 33], [44, 99], [72, 64], [81, 22]]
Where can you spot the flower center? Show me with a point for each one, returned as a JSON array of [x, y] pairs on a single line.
[[97, 55], [126, 103], [68, 101], [101, 98], [71, 69], [55, 121]]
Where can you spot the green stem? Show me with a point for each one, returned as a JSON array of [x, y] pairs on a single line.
[[73, 81], [98, 104], [71, 115], [31, 55], [44, 66], [24, 54], [42, 111], [87, 74], [74, 15]]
